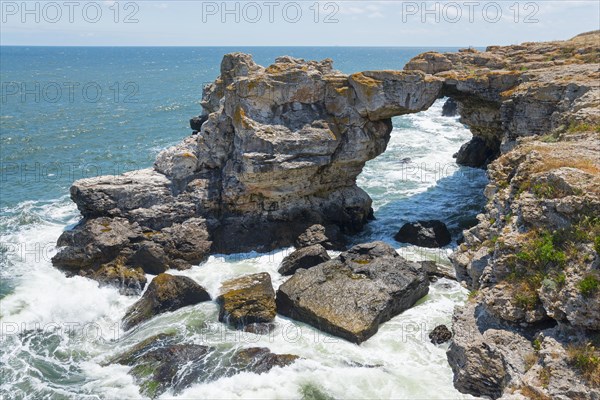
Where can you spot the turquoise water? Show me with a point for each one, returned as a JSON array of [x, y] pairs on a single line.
[[147, 97]]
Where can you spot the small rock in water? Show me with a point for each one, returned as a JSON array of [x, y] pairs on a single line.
[[330, 237], [165, 293], [430, 233], [450, 108], [260, 328], [129, 281], [305, 257], [440, 334]]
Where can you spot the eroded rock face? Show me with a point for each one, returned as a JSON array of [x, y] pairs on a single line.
[[507, 92], [247, 300], [278, 151], [165, 293], [354, 293], [531, 260]]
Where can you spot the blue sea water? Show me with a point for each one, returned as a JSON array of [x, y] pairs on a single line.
[[74, 112]]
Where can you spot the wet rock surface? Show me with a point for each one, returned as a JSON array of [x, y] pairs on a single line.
[[429, 233], [330, 238], [440, 334], [160, 364], [304, 257], [351, 295], [247, 300], [165, 293]]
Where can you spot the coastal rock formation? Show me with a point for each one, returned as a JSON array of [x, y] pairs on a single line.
[[424, 233], [507, 92], [354, 293], [278, 151], [533, 260], [165, 293], [247, 300], [304, 257]]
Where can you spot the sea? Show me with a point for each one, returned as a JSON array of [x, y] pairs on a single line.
[[74, 112]]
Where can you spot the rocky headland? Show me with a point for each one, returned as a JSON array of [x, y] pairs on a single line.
[[278, 150]]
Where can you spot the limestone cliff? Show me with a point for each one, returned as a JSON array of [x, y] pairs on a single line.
[[531, 326], [280, 150]]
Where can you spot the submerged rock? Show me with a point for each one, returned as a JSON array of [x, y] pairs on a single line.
[[436, 270], [160, 364], [431, 233], [354, 293], [165, 293], [304, 257], [440, 334], [247, 300]]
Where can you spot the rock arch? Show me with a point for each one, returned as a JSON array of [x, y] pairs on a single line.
[[281, 149]]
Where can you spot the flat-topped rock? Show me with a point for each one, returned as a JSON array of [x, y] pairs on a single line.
[[351, 295], [247, 300]]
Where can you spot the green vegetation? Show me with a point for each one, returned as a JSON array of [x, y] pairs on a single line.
[[545, 191], [587, 360], [543, 256], [579, 127], [542, 251], [472, 294], [597, 244], [589, 285], [537, 345]]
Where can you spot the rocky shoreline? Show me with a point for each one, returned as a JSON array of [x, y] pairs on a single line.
[[274, 161]]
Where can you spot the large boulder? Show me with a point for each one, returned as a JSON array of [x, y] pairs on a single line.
[[165, 293], [351, 295], [304, 257], [424, 233], [247, 300]]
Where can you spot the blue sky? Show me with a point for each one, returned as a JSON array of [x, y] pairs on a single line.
[[288, 23]]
